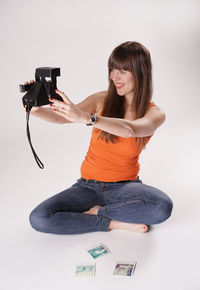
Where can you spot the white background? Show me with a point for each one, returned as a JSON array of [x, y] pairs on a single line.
[[78, 37]]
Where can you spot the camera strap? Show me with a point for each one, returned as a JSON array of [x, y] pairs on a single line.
[[39, 162]]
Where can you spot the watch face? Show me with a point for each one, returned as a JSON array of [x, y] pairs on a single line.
[[93, 119]]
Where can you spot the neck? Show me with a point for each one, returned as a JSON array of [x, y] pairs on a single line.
[[128, 99]]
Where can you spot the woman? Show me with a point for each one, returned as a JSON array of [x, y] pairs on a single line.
[[109, 194]]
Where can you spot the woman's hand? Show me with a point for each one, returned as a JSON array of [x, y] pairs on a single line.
[[67, 109]]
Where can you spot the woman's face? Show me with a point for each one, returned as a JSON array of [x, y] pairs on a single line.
[[123, 80]]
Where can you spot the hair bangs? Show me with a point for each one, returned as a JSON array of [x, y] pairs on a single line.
[[119, 60]]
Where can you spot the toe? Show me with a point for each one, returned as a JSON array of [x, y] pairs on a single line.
[[145, 228]]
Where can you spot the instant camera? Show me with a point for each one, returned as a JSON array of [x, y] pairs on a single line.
[[38, 92]]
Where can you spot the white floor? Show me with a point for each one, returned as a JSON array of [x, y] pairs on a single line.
[[167, 257], [83, 34]]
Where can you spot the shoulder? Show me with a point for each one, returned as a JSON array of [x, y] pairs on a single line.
[[93, 103], [155, 113], [152, 105]]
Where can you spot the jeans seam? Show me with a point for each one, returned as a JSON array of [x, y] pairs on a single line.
[[127, 203]]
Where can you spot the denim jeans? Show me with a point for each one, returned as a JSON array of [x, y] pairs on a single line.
[[129, 201]]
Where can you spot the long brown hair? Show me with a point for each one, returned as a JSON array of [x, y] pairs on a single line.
[[134, 57]]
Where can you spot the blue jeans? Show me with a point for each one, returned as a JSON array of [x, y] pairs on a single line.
[[129, 201]]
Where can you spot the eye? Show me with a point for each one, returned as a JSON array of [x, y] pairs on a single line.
[[120, 70]]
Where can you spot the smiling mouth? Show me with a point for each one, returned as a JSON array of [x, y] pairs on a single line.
[[119, 86]]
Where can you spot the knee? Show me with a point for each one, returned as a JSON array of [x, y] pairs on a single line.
[[37, 221], [164, 210]]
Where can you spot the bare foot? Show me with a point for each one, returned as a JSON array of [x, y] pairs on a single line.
[[93, 210], [140, 228]]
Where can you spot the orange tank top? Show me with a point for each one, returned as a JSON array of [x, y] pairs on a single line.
[[112, 162]]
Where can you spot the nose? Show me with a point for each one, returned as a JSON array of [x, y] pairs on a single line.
[[115, 76]]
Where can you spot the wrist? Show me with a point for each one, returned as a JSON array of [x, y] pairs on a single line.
[[85, 117], [89, 118], [93, 119]]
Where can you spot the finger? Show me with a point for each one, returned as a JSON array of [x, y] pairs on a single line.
[[63, 96], [25, 83], [58, 108], [57, 102], [59, 113], [32, 81]]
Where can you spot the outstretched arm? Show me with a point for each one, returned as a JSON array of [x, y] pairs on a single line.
[[142, 127], [88, 105]]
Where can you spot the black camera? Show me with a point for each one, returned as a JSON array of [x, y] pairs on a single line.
[[39, 92]]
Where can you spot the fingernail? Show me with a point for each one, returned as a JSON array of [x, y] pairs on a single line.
[[50, 105], [50, 99], [57, 90], [54, 109]]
